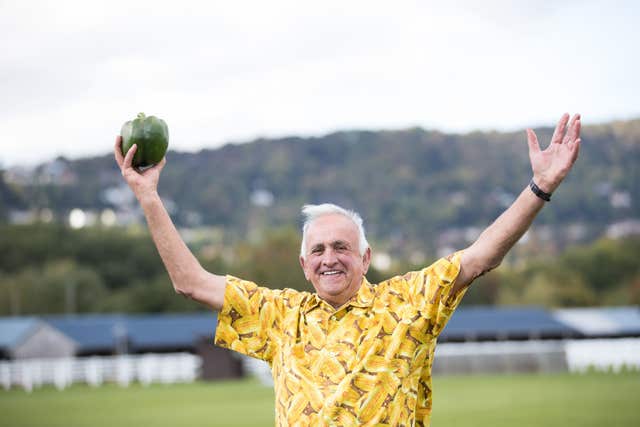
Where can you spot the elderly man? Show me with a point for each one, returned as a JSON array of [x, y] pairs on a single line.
[[351, 353]]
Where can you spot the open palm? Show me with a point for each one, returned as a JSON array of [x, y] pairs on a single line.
[[552, 164]]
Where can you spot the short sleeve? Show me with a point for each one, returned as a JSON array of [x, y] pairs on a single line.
[[249, 321], [432, 286]]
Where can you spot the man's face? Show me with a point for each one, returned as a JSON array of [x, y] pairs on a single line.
[[333, 262]]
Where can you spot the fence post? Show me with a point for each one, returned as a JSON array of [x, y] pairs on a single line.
[[62, 377], [5, 375], [25, 376], [123, 371]]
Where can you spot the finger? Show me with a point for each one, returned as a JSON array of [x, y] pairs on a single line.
[[117, 151], [579, 128], [574, 129], [558, 134], [532, 140], [575, 149], [128, 159]]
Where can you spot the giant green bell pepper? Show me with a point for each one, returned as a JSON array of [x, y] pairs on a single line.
[[150, 134]]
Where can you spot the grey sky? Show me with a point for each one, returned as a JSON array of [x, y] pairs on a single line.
[[71, 72]]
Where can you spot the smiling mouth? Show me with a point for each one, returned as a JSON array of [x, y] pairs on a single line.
[[331, 273]]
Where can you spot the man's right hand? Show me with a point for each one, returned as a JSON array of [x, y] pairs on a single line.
[[186, 273], [143, 183]]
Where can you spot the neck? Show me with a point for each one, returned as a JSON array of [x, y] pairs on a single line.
[[337, 301]]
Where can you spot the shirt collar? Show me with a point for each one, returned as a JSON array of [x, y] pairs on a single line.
[[363, 298]]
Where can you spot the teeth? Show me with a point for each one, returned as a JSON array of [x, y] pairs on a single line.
[[331, 272]]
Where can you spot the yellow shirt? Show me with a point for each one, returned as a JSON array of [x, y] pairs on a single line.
[[366, 363]]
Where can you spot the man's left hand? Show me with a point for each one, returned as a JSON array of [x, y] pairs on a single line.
[[552, 164]]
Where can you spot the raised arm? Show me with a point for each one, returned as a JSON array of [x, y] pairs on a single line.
[[186, 273], [549, 166]]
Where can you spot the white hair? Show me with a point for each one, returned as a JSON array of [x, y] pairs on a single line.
[[312, 212]]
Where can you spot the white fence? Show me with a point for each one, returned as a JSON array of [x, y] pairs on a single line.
[[611, 355], [500, 357], [603, 355], [259, 369], [122, 370], [577, 356]]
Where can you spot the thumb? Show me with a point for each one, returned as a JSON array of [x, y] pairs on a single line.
[[128, 158]]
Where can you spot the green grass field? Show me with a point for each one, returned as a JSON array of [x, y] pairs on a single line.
[[523, 400]]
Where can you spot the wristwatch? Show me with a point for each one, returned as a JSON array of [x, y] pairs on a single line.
[[538, 192]]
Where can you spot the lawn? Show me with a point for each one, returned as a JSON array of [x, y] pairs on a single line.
[[522, 400], [538, 400]]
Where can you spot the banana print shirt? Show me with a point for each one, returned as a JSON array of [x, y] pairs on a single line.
[[366, 363]]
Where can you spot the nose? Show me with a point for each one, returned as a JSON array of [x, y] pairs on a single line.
[[329, 258]]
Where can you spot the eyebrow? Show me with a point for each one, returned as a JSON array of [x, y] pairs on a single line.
[[334, 244]]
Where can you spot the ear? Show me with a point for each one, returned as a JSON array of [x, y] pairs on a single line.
[[303, 269], [366, 260]]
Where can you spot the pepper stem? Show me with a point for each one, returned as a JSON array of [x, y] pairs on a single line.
[[141, 116]]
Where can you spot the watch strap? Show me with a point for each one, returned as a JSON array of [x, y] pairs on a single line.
[[538, 192]]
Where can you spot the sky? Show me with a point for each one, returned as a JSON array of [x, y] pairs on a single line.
[[72, 72]]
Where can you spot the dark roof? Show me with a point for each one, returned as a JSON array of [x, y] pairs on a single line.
[[503, 323], [171, 330], [92, 332], [99, 332]]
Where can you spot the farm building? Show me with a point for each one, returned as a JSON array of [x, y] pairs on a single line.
[[31, 337], [505, 323], [118, 347]]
